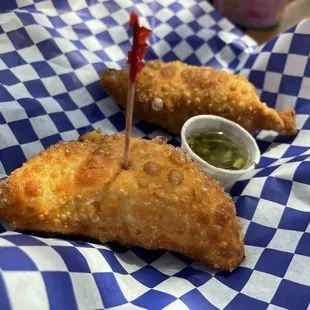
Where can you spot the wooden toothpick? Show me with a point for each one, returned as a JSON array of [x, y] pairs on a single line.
[[129, 115], [135, 56]]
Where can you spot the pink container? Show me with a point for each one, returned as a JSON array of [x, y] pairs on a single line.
[[252, 13]]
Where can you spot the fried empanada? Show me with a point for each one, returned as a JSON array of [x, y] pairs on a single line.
[[163, 201], [167, 94]]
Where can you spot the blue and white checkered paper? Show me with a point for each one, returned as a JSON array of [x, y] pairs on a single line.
[[51, 57]]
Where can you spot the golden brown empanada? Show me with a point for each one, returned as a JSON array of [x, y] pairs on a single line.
[[161, 202], [167, 94]]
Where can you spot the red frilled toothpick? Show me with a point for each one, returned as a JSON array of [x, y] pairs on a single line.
[[135, 56]]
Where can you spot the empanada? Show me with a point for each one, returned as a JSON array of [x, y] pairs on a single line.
[[167, 94], [163, 201]]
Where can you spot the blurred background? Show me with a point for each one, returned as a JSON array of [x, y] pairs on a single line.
[[263, 19]]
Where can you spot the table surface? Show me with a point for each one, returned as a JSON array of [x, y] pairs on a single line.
[[295, 11]]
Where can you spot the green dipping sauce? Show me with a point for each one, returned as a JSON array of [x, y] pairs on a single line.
[[218, 149]]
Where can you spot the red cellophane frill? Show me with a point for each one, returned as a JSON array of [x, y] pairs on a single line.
[[139, 46]]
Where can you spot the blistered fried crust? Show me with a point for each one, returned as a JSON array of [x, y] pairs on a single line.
[[167, 94], [161, 202]]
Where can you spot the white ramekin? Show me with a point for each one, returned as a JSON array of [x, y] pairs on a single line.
[[225, 177]]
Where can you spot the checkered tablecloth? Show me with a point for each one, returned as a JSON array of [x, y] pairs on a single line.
[[51, 57]]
